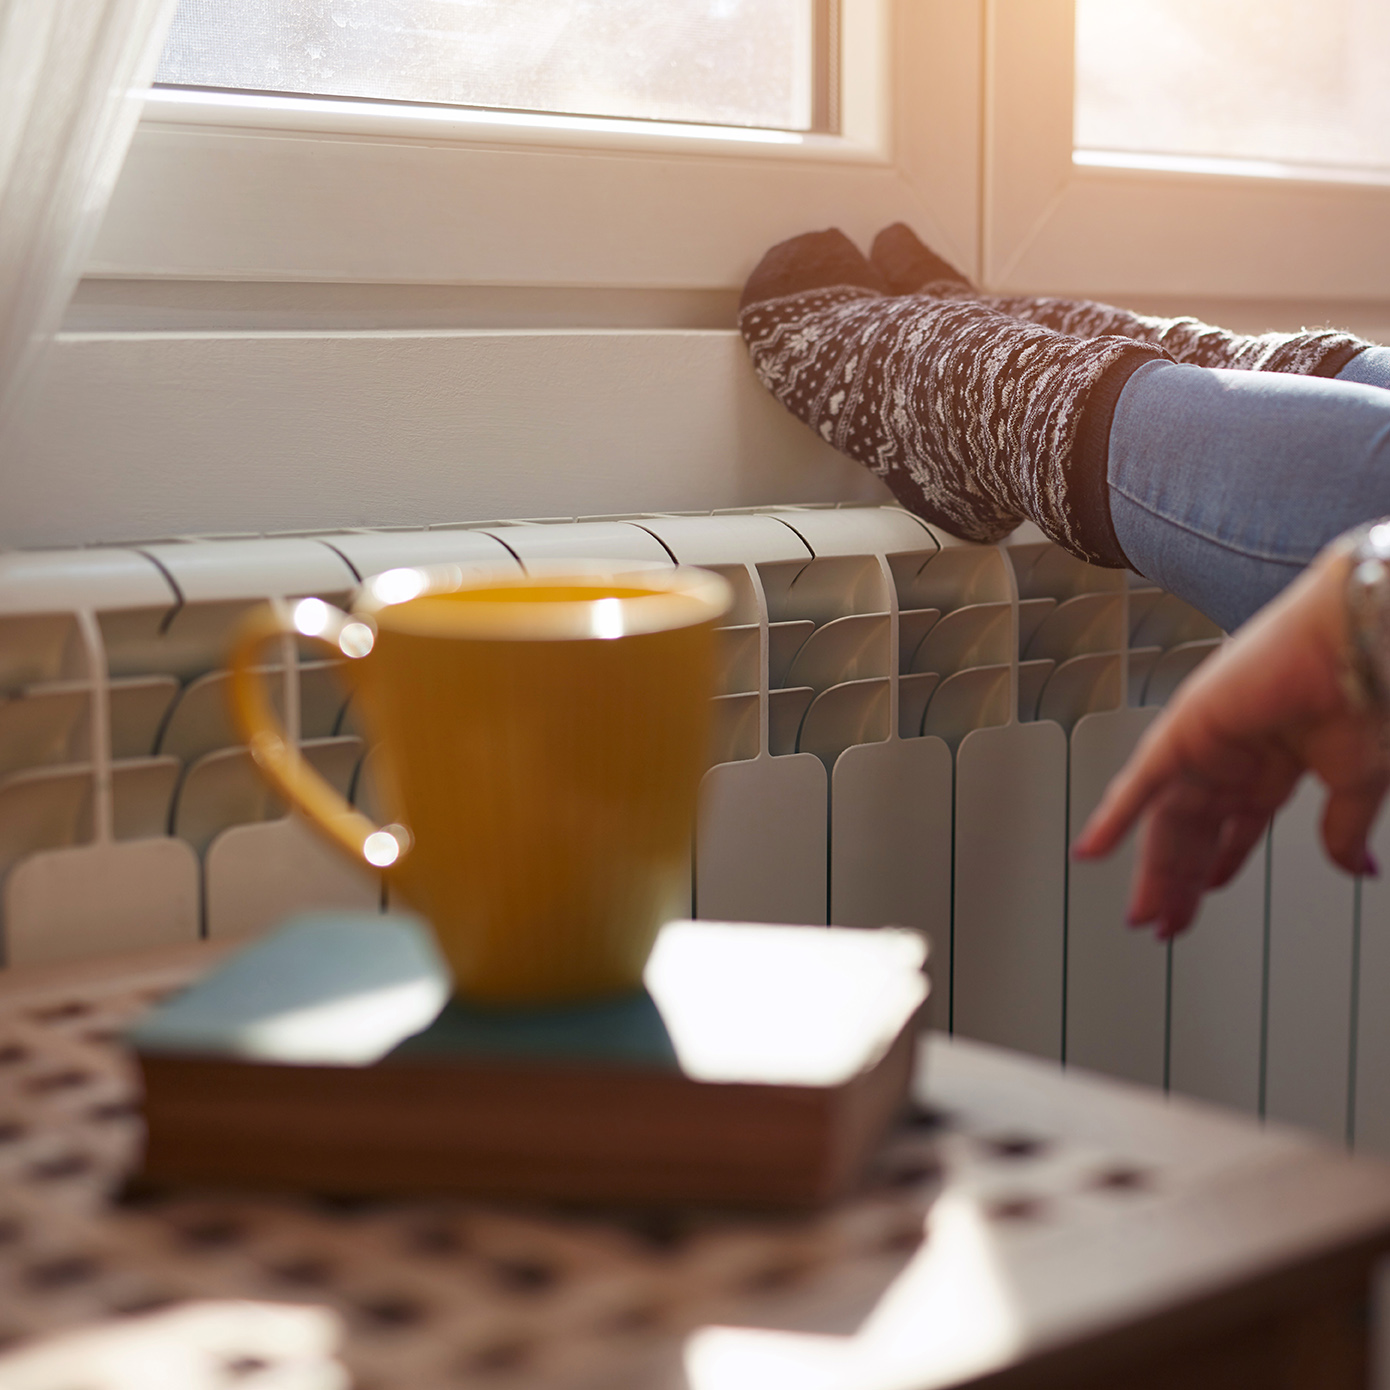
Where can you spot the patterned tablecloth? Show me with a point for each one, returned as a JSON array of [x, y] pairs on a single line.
[[1017, 1210], [429, 1293]]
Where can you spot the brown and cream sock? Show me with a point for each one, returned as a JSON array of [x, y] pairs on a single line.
[[909, 267], [974, 419]]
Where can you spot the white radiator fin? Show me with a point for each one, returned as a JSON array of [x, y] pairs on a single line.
[[909, 729]]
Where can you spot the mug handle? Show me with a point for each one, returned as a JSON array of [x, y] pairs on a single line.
[[275, 753]]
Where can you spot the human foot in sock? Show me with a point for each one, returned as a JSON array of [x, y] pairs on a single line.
[[909, 267], [974, 419]]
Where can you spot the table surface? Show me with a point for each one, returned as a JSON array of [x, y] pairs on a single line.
[[1019, 1211]]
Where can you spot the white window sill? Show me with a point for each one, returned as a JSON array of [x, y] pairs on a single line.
[[391, 121]]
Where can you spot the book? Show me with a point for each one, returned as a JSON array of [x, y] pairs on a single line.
[[760, 1065]]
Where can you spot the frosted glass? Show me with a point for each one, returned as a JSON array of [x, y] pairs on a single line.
[[729, 62], [1293, 81]]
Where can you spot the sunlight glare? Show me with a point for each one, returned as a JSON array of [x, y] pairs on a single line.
[[949, 1314], [311, 617]]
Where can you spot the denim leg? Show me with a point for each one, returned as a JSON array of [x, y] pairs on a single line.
[[1223, 485], [1370, 368]]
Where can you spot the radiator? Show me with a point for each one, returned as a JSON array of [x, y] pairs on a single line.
[[909, 730]]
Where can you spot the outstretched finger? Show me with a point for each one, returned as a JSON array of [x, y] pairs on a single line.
[[1346, 823], [1154, 765]]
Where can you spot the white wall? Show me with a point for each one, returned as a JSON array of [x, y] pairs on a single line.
[[155, 434]]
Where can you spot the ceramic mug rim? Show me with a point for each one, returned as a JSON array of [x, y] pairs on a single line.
[[626, 602]]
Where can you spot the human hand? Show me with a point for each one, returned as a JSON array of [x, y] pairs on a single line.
[[1228, 751]]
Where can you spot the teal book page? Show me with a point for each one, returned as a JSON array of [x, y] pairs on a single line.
[[335, 989]]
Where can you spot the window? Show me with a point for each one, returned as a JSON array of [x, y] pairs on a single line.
[[1281, 84], [723, 62], [1167, 150], [999, 127], [228, 187]]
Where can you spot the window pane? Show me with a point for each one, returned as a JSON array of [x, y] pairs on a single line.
[[1293, 81], [729, 62]]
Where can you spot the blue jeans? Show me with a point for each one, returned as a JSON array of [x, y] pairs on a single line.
[[1224, 485]]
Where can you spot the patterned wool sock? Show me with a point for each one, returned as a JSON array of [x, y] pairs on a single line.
[[909, 267], [973, 419]]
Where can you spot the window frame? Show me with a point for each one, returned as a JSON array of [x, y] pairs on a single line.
[[245, 188], [956, 115]]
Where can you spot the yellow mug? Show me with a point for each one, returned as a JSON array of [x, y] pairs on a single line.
[[540, 744]]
